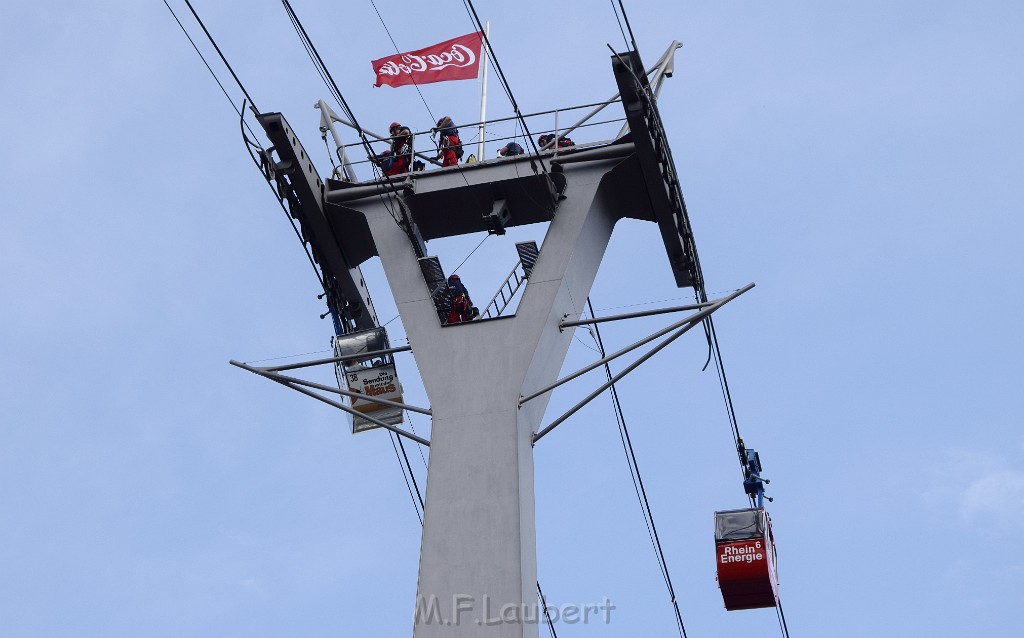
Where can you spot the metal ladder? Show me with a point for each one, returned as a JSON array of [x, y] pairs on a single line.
[[528, 253]]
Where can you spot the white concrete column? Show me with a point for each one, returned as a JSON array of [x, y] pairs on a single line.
[[478, 561]]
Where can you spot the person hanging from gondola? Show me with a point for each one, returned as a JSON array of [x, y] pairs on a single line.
[[460, 306], [449, 146], [398, 158]]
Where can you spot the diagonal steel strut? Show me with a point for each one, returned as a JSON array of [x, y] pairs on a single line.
[[697, 316], [294, 384], [689, 322]]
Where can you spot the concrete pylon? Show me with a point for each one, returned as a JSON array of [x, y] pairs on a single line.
[[478, 561]]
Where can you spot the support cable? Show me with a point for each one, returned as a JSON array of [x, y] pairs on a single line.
[[501, 78], [223, 59], [210, 69], [415, 84], [408, 466], [325, 75], [716, 353], [782, 619], [288, 356], [544, 606], [332, 86], [638, 484], [245, 125], [700, 293], [250, 144], [471, 253], [412, 428], [397, 50], [625, 40], [280, 201], [416, 507], [724, 383], [330, 156], [628, 27]]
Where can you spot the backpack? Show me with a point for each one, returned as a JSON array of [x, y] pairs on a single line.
[[456, 145], [401, 144], [454, 142]]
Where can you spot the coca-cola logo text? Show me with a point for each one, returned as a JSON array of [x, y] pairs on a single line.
[[459, 56]]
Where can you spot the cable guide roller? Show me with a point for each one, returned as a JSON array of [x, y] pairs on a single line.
[[369, 370], [745, 558]]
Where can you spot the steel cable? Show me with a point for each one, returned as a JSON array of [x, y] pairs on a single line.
[[638, 484]]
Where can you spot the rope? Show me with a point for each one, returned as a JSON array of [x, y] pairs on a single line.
[[289, 356], [332, 86], [245, 125], [501, 78], [619, 20], [412, 476], [471, 253], [544, 606], [223, 59], [397, 50], [638, 484], [209, 68], [291, 219], [782, 619], [408, 486], [412, 428], [629, 28]]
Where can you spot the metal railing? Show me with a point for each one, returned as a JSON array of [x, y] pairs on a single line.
[[498, 132], [662, 69]]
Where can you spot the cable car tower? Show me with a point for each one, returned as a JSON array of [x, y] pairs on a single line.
[[479, 541]]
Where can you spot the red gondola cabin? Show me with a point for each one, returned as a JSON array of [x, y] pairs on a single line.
[[745, 555]]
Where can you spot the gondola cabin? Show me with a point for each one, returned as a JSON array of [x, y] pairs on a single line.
[[745, 556], [368, 369]]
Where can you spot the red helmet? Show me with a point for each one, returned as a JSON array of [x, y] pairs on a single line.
[[453, 276], [394, 125]]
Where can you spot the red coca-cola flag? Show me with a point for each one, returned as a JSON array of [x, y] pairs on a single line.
[[455, 59]]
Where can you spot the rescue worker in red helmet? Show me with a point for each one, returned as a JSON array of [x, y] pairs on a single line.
[[460, 306], [449, 146], [548, 141], [398, 158]]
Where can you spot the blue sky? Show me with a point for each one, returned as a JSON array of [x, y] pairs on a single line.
[[860, 162]]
